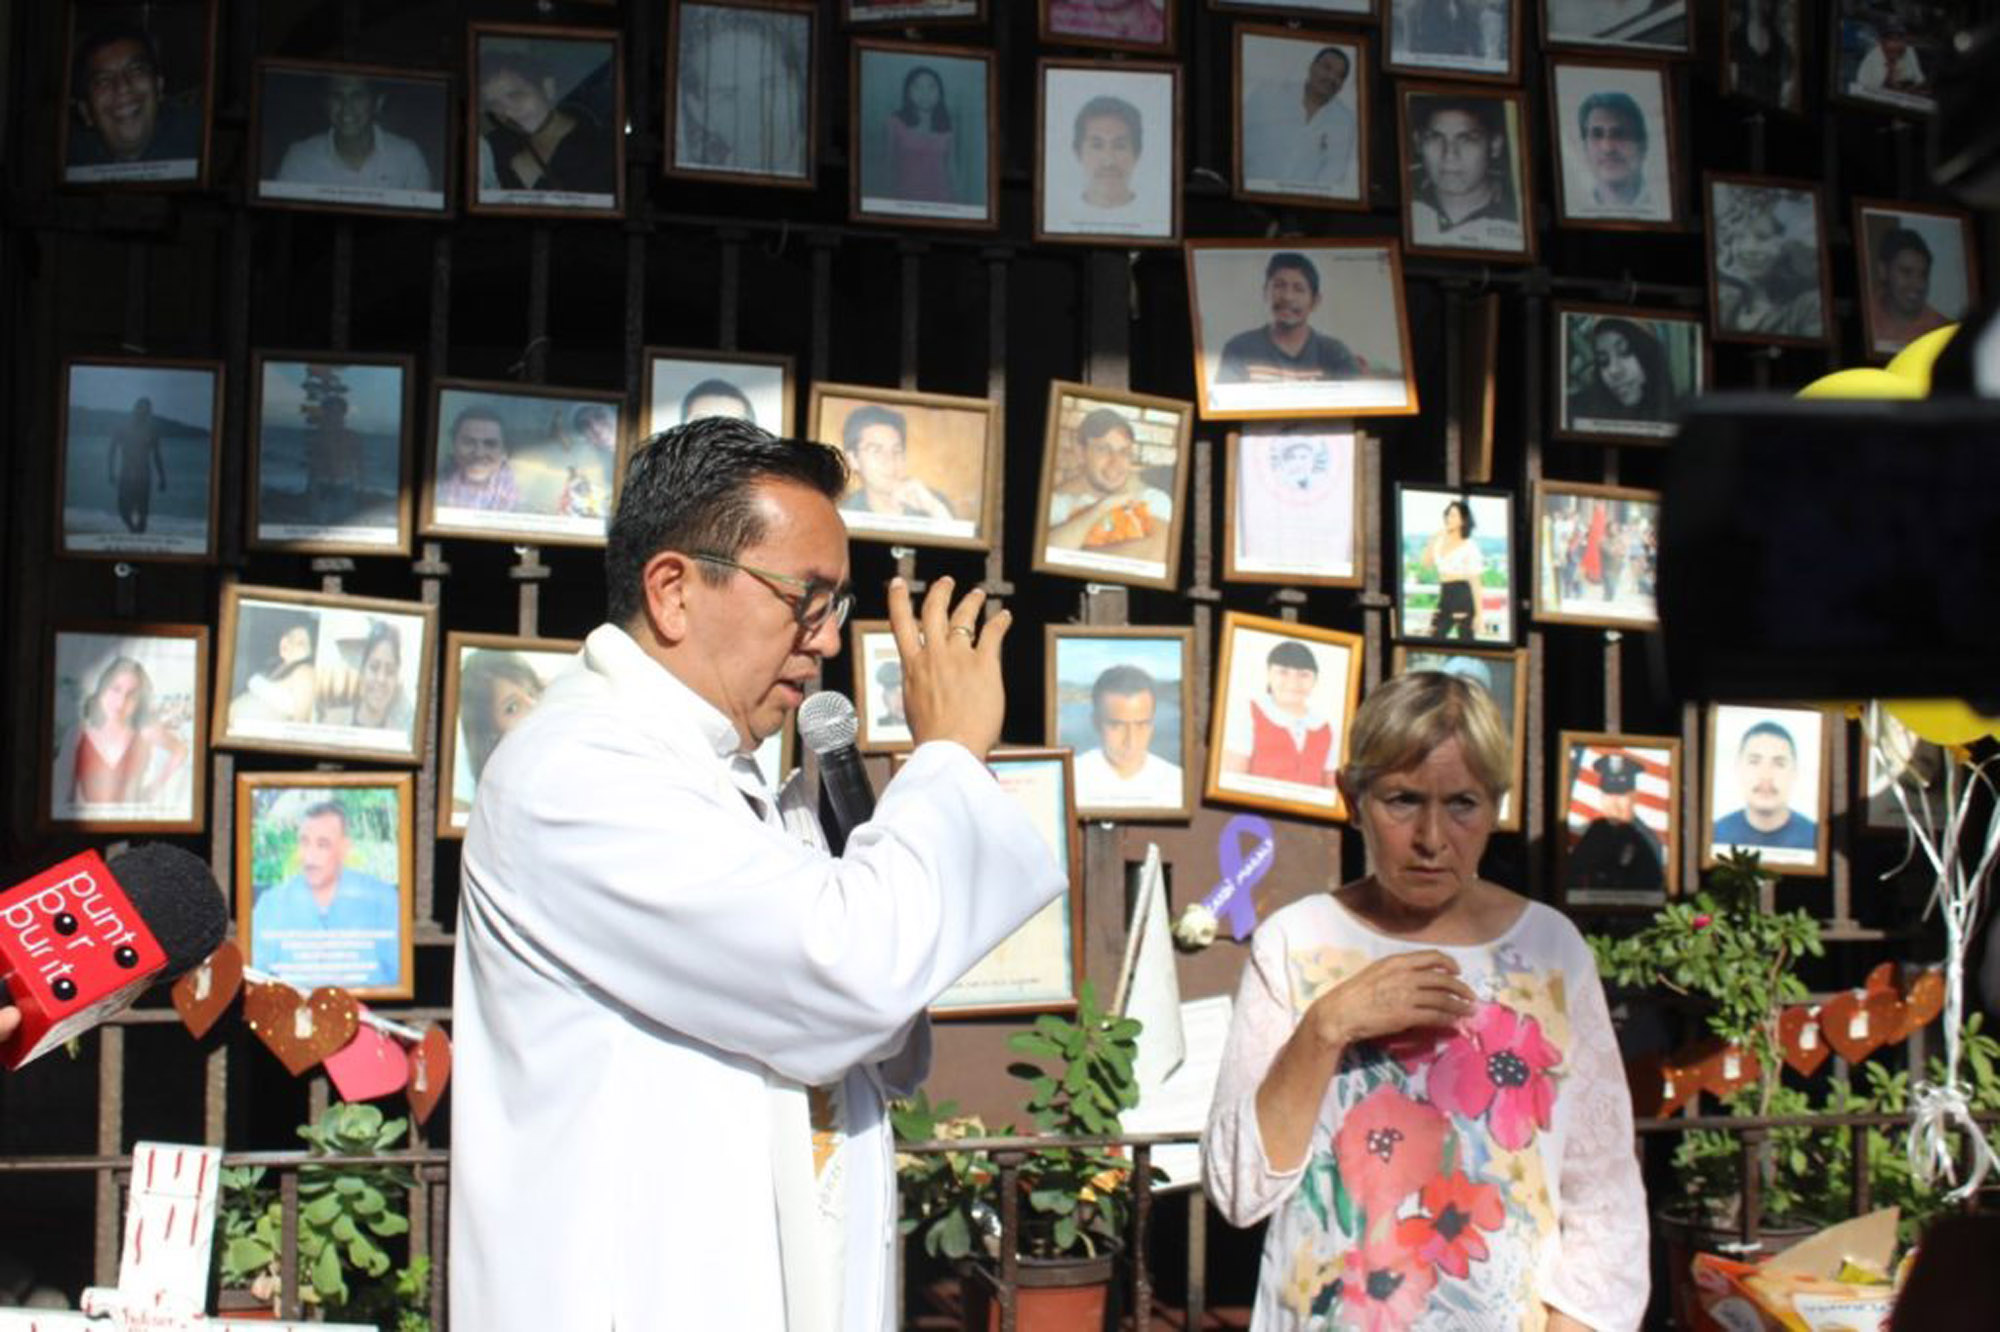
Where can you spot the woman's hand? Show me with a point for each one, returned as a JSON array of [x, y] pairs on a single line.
[[1390, 996]]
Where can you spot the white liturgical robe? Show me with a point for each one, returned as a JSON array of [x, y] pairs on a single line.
[[651, 970]]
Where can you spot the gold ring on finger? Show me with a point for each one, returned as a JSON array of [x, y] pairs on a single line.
[[963, 629]]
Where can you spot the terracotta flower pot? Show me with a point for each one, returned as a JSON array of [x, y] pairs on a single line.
[[1050, 1295]]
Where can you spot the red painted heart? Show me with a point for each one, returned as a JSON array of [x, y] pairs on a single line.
[[302, 1030], [368, 1066], [205, 993]]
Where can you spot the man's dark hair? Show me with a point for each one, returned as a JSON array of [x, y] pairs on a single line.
[[1106, 107], [321, 810], [690, 488], [1618, 104], [1346, 61], [1768, 728], [869, 414], [1483, 111], [478, 412], [716, 388], [97, 40], [1100, 422], [1898, 239], [1295, 261], [1293, 656], [1121, 681]]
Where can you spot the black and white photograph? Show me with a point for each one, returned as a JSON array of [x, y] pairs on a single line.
[[1114, 481], [547, 118], [1285, 695], [139, 85], [1614, 127], [921, 135], [1302, 116], [1597, 555], [1292, 513], [352, 137], [1652, 27], [1766, 787], [1624, 374], [138, 459], [1465, 167], [741, 108], [683, 383], [1465, 39], [1918, 271], [1109, 166], [1767, 264], [1503, 674], [1888, 55], [901, 13], [1620, 830], [1121, 699], [919, 464], [492, 683], [1128, 25], [1764, 53], [329, 463], [1313, 328], [509, 464], [127, 728], [1455, 565]]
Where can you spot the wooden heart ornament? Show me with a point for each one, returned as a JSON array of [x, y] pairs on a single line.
[[1709, 1065], [1883, 977], [204, 994], [1924, 998], [1658, 1088], [430, 1071], [301, 1030], [1803, 1044], [1857, 1023]]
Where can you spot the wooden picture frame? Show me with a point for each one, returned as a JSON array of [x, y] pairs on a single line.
[[1942, 241], [904, 13], [1322, 161], [1759, 232], [1439, 125], [122, 418], [501, 677], [1292, 510], [1569, 586], [153, 777], [330, 452], [291, 828], [302, 107], [1112, 503], [1479, 385], [1622, 375], [1143, 26], [946, 467], [1485, 47], [681, 379], [877, 667], [1039, 968], [560, 452], [306, 673], [1891, 753], [1133, 745], [944, 174], [1663, 28], [1503, 673], [1104, 173], [1363, 368], [577, 72], [1773, 76], [1619, 802], [1251, 758], [772, 50], [1757, 765], [1337, 10], [1861, 71], [1618, 145], [1455, 602], [167, 144]]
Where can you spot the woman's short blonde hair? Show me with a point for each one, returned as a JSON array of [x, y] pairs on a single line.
[[1408, 717]]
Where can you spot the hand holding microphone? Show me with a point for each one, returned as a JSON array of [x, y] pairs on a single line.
[[951, 666]]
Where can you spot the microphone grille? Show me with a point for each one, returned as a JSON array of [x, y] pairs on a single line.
[[175, 893], [827, 722]]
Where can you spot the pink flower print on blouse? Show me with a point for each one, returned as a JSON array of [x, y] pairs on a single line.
[[1384, 1285], [1456, 1210], [1498, 1067], [1387, 1146]]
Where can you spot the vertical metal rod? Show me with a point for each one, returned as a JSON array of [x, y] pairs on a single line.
[[1142, 1216], [912, 255], [999, 267], [729, 291], [1455, 405], [110, 1142], [340, 301], [1197, 1260], [1532, 799]]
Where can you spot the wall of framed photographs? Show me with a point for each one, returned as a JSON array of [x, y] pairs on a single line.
[[1229, 342]]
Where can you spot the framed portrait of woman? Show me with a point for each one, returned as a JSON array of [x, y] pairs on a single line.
[[137, 459], [492, 683], [1618, 144], [1623, 375], [741, 107], [325, 879], [1114, 480], [1302, 115], [882, 725], [1621, 800], [1767, 788], [546, 118], [1460, 39], [508, 462], [1285, 695], [921, 464], [1124, 25], [1455, 565], [1918, 271], [352, 138], [329, 463], [139, 87], [1109, 165], [1649, 27], [1292, 506], [1597, 552], [1121, 699], [1767, 265], [1503, 674], [315, 673], [127, 728], [683, 383], [1763, 53], [1465, 171], [921, 121]]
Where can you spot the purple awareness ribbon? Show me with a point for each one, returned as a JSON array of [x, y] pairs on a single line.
[[1240, 872]]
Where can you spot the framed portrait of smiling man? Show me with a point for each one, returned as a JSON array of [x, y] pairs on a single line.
[[1465, 170], [1614, 127], [1110, 158], [919, 464], [511, 465], [1121, 700], [1767, 785], [1114, 478], [1918, 271], [139, 85], [352, 137], [1301, 116], [546, 114]]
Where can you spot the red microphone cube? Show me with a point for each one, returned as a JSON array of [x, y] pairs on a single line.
[[73, 951]]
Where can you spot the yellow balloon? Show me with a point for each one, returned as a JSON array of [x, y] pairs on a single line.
[[1914, 362], [1942, 721], [1866, 382]]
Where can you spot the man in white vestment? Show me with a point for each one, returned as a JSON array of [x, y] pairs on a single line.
[[677, 1017]]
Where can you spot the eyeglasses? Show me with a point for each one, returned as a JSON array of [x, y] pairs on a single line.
[[818, 601]]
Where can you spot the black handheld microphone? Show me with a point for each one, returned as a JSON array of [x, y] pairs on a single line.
[[847, 798]]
